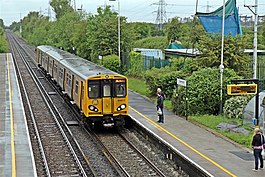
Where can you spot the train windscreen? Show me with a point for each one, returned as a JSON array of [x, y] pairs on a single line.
[[94, 89], [107, 88], [120, 88]]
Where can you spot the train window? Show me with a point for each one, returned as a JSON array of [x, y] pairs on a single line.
[[40, 56], [50, 63], [55, 68], [47, 61], [106, 90], [93, 89], [120, 88], [76, 87], [43, 58], [60, 73], [68, 79]]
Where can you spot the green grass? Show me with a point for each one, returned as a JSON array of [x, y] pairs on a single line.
[[138, 86], [209, 121], [212, 121]]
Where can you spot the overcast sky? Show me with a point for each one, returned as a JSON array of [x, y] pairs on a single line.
[[134, 10]]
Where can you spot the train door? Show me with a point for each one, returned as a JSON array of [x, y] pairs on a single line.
[[38, 56], [72, 87], [81, 98], [64, 78], [43, 60], [47, 64], [107, 96], [52, 68]]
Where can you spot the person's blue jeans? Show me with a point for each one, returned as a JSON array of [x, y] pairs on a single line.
[[258, 156]]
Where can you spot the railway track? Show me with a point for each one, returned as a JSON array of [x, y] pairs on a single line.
[[93, 156], [128, 156], [57, 156], [116, 156]]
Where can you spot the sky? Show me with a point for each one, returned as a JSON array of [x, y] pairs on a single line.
[[134, 10]]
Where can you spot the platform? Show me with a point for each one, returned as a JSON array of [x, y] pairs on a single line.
[[216, 154], [16, 157]]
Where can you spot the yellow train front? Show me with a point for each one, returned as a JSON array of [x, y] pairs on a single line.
[[100, 94], [107, 101]]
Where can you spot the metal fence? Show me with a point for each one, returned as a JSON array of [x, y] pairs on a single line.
[[148, 62]]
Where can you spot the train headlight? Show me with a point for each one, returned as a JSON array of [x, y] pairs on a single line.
[[121, 107], [93, 108]]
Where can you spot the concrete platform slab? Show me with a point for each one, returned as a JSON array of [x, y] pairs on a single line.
[[16, 157]]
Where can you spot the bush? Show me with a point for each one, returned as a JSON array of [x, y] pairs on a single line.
[[3, 42], [234, 106], [203, 91], [164, 78], [111, 62], [136, 65]]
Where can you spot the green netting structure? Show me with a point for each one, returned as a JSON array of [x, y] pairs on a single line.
[[212, 22]]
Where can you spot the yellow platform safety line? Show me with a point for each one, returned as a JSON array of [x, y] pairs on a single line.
[[184, 143], [11, 122]]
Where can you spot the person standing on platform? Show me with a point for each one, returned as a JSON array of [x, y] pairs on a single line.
[[258, 145], [160, 105], [162, 93]]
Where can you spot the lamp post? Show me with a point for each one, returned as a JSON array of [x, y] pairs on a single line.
[[119, 31], [222, 60], [255, 47]]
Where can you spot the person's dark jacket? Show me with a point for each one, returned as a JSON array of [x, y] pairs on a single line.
[[160, 101], [256, 141]]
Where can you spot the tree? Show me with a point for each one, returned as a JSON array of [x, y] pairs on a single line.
[[261, 37], [204, 90], [158, 42], [141, 30], [173, 29], [63, 30], [79, 39], [102, 36], [29, 24], [61, 7], [3, 42], [192, 32], [2, 23], [101, 33], [234, 56]]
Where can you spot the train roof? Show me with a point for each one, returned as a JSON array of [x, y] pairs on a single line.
[[78, 65]]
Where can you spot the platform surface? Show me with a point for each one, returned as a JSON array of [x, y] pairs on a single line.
[[215, 154], [16, 157]]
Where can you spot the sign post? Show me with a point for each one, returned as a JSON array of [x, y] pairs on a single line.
[[184, 83]]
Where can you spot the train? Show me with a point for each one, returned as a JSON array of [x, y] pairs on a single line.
[[100, 95]]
